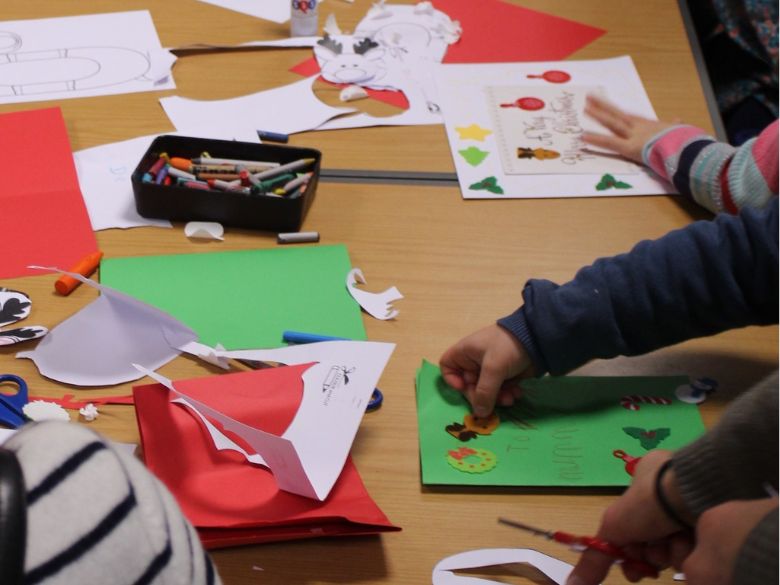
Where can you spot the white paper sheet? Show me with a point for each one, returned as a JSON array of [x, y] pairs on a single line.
[[337, 388], [288, 109], [104, 177], [273, 10], [476, 141], [443, 572], [98, 345], [553, 126], [80, 56]]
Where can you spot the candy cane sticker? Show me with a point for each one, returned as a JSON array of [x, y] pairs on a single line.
[[632, 401]]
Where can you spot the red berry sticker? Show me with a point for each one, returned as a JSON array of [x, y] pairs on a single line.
[[553, 76]]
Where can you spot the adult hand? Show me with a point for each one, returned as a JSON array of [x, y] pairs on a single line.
[[720, 533], [629, 133], [484, 365], [638, 524]]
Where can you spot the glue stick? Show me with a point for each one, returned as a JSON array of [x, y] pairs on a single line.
[[303, 18]]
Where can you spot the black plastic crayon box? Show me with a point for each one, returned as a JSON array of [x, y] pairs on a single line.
[[244, 197]]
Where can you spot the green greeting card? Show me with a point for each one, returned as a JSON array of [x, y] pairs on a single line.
[[564, 431], [246, 299]]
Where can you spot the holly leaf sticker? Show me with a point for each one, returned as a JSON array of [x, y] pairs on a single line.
[[487, 184], [610, 182], [649, 439]]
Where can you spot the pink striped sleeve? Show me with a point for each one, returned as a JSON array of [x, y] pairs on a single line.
[[669, 144], [765, 153]]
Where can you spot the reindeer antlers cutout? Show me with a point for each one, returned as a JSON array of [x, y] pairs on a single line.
[[364, 46], [330, 43]]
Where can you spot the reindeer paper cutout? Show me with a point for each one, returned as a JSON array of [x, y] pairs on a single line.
[[361, 63]]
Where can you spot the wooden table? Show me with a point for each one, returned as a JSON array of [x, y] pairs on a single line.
[[460, 265]]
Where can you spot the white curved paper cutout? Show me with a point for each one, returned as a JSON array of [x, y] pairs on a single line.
[[204, 230], [378, 305], [443, 574]]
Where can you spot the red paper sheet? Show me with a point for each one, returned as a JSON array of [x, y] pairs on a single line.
[[44, 219], [496, 32], [229, 500]]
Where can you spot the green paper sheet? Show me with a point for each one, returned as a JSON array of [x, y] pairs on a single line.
[[562, 432], [246, 299]]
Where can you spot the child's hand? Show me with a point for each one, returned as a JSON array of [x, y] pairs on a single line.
[[483, 365], [630, 133]]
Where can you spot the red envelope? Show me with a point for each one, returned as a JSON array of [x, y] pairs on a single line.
[[229, 500]]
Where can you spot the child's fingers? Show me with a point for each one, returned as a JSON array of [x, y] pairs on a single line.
[[602, 141], [608, 115]]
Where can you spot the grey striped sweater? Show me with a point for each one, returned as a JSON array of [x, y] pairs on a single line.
[[96, 515]]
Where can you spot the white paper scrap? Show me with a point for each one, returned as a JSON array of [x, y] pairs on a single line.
[[352, 93], [443, 572], [89, 412], [98, 345], [378, 305], [204, 230]]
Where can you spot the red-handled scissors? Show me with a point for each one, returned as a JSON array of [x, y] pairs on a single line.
[[588, 542]]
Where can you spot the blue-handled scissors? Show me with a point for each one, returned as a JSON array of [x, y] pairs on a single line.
[[11, 405]]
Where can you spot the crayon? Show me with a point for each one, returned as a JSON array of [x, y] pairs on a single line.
[[174, 172], [223, 185], [298, 192], [233, 161], [291, 186], [273, 136], [297, 238], [291, 166], [161, 174], [86, 266], [158, 164], [194, 185], [223, 176], [269, 184], [183, 164]]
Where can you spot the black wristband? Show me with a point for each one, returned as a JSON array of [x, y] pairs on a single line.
[[661, 497]]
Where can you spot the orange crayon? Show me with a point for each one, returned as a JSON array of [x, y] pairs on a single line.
[[87, 265], [183, 164]]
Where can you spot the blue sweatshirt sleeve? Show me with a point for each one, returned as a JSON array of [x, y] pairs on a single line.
[[708, 277]]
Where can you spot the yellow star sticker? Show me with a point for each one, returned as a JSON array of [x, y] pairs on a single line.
[[473, 132]]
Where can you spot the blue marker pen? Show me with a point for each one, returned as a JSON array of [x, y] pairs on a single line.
[[300, 337], [273, 136]]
